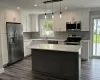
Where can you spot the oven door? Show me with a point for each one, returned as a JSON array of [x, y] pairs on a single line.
[[72, 43]]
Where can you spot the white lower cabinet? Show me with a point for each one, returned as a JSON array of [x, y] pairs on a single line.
[[27, 51], [85, 50]]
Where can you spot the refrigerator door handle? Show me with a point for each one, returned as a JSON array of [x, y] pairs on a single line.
[[12, 40]]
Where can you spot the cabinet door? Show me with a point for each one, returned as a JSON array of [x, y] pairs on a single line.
[[69, 17], [27, 51], [60, 23], [34, 23], [85, 50], [85, 20], [28, 25], [63, 22], [76, 16], [73, 16], [56, 22], [26, 22], [13, 16]]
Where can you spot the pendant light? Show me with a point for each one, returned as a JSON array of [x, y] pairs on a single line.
[[52, 11], [60, 10], [45, 12]]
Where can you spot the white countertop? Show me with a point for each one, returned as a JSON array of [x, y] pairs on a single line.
[[85, 40], [67, 48], [45, 39]]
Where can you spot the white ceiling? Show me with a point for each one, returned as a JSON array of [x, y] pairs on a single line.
[[29, 4]]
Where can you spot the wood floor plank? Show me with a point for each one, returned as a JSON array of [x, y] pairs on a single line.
[[23, 71]]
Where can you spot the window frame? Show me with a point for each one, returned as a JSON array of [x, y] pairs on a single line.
[[41, 34]]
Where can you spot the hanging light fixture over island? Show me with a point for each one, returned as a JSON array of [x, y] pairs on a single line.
[[52, 1]]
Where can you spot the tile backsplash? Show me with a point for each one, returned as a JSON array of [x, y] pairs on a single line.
[[58, 35], [27, 35]]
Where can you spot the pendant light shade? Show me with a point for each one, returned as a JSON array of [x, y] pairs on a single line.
[[60, 14], [53, 16], [52, 12], [45, 16], [52, 1]]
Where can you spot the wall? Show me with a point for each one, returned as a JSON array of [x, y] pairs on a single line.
[[6, 16], [93, 14], [69, 16], [1, 62], [27, 35]]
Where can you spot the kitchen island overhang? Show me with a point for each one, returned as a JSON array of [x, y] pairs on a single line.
[[57, 61]]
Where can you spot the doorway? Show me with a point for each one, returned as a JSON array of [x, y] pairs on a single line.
[[96, 37]]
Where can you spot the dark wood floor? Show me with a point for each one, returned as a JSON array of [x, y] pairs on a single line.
[[22, 70]]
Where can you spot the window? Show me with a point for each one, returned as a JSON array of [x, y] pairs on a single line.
[[46, 28]]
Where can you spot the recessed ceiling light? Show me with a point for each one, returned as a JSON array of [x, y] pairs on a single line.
[[18, 7], [35, 5], [65, 7]]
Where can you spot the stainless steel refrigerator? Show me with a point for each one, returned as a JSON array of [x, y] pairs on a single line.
[[15, 42]]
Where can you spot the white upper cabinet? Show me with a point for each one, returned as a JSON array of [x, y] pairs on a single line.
[[75, 16], [8, 16], [60, 23], [69, 17], [12, 16], [72, 16], [85, 20], [29, 22], [34, 23], [26, 22]]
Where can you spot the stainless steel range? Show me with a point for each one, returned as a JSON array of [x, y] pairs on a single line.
[[73, 40]]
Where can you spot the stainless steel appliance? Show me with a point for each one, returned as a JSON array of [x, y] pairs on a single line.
[[73, 40], [73, 26], [15, 42]]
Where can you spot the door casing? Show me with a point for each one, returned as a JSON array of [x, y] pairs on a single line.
[[91, 34]]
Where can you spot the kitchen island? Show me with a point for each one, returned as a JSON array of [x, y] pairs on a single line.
[[56, 62]]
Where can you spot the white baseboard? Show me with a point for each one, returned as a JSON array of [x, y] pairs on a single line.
[[1, 70]]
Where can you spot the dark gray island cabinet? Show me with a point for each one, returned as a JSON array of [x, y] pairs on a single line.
[[56, 62]]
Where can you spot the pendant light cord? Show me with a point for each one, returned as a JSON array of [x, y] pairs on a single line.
[[52, 7], [45, 8], [60, 6]]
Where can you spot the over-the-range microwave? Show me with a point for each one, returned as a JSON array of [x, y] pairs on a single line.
[[73, 26]]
